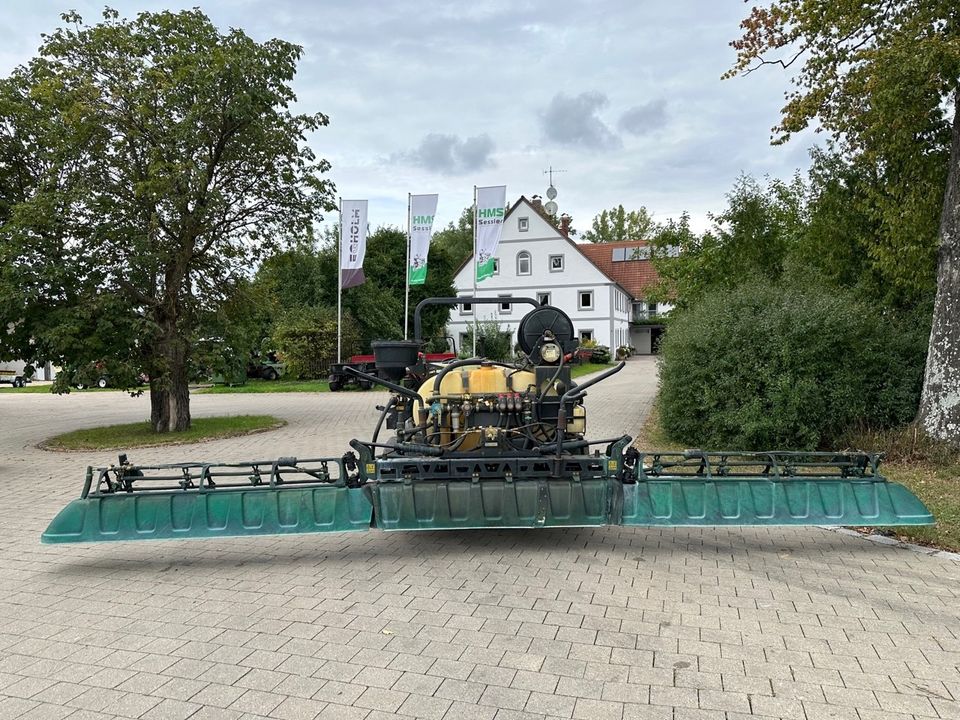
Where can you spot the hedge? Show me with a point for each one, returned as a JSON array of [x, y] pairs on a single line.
[[787, 365]]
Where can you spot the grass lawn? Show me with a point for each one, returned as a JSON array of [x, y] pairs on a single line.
[[134, 435], [939, 488], [46, 389], [930, 470], [268, 386], [587, 368]]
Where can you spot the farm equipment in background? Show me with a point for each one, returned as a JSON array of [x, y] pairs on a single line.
[[268, 367], [341, 374], [480, 444], [12, 377]]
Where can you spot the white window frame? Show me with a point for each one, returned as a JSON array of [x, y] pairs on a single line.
[[587, 331], [466, 308], [546, 295], [525, 254], [580, 304], [523, 224], [550, 260], [496, 266], [509, 308]]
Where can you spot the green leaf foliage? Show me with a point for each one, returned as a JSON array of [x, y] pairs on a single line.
[[620, 225], [882, 78], [493, 342], [456, 239], [788, 365], [146, 163], [304, 277], [756, 233], [305, 339]]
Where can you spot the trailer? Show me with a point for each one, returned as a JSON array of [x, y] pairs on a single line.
[[342, 375], [14, 378]]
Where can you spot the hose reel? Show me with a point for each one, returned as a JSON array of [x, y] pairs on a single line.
[[546, 321]]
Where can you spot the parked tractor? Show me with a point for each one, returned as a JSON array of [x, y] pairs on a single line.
[[481, 444]]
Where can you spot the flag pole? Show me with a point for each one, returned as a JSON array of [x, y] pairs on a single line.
[[406, 272], [475, 266], [339, 280]]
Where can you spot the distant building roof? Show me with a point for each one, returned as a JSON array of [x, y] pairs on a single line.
[[627, 263]]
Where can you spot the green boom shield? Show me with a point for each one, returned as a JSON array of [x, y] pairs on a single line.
[[620, 487]]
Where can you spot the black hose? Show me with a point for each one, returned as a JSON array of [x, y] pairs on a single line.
[[573, 445], [387, 408], [400, 389], [578, 392]]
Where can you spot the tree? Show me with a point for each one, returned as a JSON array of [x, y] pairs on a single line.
[[305, 338], [457, 239], [754, 235], [884, 79], [306, 277], [147, 163], [618, 225]]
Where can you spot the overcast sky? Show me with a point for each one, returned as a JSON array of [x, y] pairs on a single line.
[[624, 97]]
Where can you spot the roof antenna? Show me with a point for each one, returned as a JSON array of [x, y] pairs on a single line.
[[551, 207]]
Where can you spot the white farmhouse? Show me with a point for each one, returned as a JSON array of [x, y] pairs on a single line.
[[539, 261], [629, 264]]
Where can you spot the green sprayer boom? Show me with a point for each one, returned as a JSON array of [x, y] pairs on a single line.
[[479, 444]]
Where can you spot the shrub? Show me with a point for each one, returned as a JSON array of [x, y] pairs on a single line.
[[493, 342], [600, 354], [786, 365], [306, 340]]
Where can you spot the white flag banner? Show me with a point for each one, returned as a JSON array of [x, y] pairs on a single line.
[[423, 208], [353, 241], [491, 202]]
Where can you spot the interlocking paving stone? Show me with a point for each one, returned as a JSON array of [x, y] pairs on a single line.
[[638, 624]]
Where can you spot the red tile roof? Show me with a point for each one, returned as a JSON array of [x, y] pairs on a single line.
[[637, 277]]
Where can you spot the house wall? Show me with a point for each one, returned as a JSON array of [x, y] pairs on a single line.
[[609, 317]]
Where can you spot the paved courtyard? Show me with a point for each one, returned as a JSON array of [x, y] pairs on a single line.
[[599, 624]]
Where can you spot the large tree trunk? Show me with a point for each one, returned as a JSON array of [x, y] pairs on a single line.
[[169, 392], [940, 403]]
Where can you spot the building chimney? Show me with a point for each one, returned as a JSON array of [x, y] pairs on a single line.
[[565, 221], [537, 203]]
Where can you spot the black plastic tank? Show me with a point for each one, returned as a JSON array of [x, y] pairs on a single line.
[[393, 357]]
